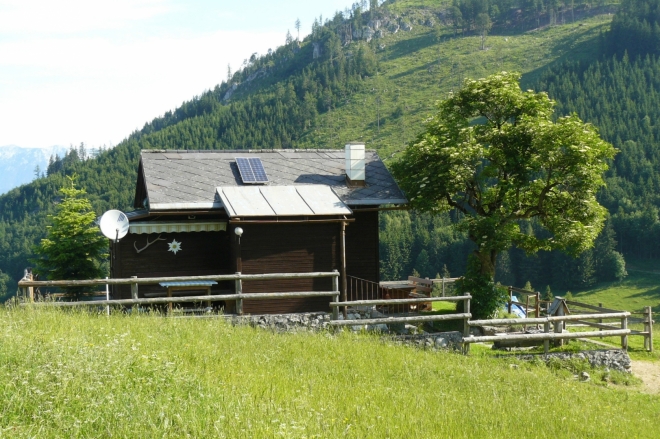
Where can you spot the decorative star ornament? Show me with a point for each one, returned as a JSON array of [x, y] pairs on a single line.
[[175, 246]]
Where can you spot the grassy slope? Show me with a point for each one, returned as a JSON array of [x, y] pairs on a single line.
[[76, 375], [419, 67]]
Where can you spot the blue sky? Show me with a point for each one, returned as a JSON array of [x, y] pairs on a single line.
[[93, 71]]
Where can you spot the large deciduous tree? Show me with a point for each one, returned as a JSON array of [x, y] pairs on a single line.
[[494, 154], [73, 248]]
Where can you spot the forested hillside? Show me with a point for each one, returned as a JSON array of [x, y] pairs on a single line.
[[370, 73]]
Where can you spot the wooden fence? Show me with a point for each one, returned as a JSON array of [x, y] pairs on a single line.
[[646, 320], [134, 282], [558, 324], [420, 318]]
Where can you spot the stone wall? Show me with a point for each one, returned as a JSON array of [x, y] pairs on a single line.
[[613, 359]]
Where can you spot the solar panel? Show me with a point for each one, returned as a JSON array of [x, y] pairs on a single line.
[[252, 170]]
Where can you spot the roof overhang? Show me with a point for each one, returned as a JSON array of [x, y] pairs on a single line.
[[138, 228], [276, 201]]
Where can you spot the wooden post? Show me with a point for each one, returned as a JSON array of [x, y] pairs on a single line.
[[624, 338], [538, 305], [443, 286], [600, 305], [559, 325], [526, 310], [342, 244], [30, 289], [466, 324], [239, 290], [335, 298], [650, 324], [510, 299], [134, 292], [546, 343]]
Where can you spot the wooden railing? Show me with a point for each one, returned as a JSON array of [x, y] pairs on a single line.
[[537, 301], [134, 282], [421, 318], [558, 324], [646, 320]]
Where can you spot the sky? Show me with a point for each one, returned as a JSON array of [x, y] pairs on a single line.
[[94, 71]]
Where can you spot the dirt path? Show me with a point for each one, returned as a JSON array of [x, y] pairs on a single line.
[[649, 373]]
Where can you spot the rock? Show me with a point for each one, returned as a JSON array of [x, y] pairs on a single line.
[[406, 26], [317, 50], [441, 342], [584, 376], [230, 92]]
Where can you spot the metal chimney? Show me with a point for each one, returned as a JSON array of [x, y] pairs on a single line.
[[355, 164]]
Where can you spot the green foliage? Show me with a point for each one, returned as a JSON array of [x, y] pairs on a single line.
[[74, 247], [487, 297], [493, 153], [635, 29], [528, 287], [547, 294], [5, 282]]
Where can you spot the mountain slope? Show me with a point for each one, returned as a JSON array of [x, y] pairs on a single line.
[[331, 88], [19, 165]]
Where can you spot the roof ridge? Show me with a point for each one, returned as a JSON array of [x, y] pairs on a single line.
[[239, 151]]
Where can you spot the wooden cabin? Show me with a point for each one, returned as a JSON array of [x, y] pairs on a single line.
[[294, 208]]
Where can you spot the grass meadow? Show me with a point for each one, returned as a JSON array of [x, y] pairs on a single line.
[[76, 374]]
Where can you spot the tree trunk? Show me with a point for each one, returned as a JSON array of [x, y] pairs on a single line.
[[487, 260]]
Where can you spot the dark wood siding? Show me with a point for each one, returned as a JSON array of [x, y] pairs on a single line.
[[289, 248], [202, 253], [362, 259]]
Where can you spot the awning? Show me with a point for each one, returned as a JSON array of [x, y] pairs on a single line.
[[303, 200], [167, 227]]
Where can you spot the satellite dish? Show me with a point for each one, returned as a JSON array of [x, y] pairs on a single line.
[[114, 225]]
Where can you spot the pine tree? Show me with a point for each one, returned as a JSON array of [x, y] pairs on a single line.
[[73, 248]]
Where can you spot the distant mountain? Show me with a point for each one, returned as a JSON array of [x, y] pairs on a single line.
[[17, 164]]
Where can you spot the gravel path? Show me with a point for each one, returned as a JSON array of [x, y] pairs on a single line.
[[649, 373]]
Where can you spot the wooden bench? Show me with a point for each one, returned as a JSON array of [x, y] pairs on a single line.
[[188, 286]]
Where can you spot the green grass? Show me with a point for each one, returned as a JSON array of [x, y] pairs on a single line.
[[79, 375], [420, 67]]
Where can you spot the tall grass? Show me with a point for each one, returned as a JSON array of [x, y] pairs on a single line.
[[69, 374]]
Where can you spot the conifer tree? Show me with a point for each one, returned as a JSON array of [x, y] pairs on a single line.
[[73, 248]]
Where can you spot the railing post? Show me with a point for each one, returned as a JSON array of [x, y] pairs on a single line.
[[239, 290], [650, 325], [134, 293], [443, 286], [600, 305], [466, 326], [546, 343], [538, 305], [624, 338], [335, 298], [510, 298]]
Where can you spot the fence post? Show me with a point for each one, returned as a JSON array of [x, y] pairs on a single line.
[[559, 326], [443, 286], [134, 293], [546, 343], [335, 298], [650, 318], [466, 326], [510, 298], [239, 290], [624, 338], [600, 305]]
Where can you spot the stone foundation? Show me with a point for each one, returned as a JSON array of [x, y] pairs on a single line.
[[613, 359]]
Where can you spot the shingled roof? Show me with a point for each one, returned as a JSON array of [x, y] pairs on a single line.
[[175, 180]]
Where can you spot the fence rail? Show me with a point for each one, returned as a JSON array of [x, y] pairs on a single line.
[[465, 315], [27, 285], [558, 324]]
